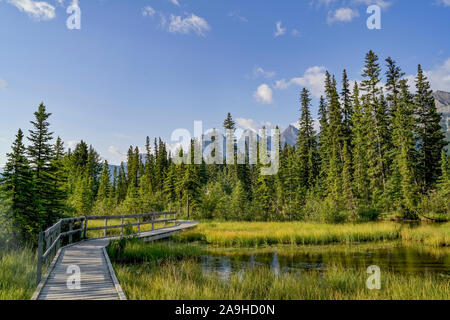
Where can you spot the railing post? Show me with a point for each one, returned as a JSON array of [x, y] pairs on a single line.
[[85, 227], [121, 226], [139, 224], [106, 227], [58, 231], [39, 258], [153, 222], [165, 218], [70, 230]]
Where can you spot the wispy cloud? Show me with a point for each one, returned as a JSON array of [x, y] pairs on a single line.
[[175, 2], [38, 10], [188, 24], [444, 2], [148, 11], [250, 124], [342, 15], [280, 30], [237, 16], [263, 94], [117, 155], [313, 79], [260, 72]]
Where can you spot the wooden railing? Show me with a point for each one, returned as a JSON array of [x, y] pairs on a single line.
[[63, 233]]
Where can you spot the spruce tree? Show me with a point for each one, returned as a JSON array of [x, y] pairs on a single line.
[[17, 184], [347, 108], [405, 154], [429, 130], [41, 154], [359, 146], [393, 76], [306, 145], [377, 126]]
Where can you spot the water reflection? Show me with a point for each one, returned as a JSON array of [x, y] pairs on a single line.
[[395, 259]]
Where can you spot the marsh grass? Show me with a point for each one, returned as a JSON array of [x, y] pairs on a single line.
[[17, 274], [186, 280], [133, 251], [429, 234], [255, 234], [252, 234]]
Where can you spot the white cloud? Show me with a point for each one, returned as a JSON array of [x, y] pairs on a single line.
[[250, 124], [280, 30], [313, 79], [38, 10], [439, 77], [175, 2], [188, 24], [342, 15], [258, 71], [71, 144], [3, 84], [148, 11], [118, 156], [237, 16], [263, 94], [444, 2]]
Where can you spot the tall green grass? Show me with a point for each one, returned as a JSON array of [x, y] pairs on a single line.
[[250, 234], [17, 274], [186, 280], [430, 235], [253, 234], [133, 251]]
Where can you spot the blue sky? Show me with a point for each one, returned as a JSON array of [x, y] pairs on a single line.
[[148, 67]]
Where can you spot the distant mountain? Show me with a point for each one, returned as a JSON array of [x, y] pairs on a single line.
[[443, 105], [289, 136]]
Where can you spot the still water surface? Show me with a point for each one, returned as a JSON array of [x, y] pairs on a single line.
[[392, 257]]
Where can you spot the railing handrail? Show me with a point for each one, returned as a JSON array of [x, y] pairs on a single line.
[[53, 235]]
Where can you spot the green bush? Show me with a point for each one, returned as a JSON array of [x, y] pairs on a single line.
[[368, 214]]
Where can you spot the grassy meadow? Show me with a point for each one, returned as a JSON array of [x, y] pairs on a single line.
[[17, 274]]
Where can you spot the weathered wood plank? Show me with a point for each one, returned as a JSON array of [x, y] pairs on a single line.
[[98, 280]]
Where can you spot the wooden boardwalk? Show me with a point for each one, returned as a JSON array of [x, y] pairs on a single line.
[[97, 278]]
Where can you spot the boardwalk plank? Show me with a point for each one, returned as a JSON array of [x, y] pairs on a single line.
[[97, 279]]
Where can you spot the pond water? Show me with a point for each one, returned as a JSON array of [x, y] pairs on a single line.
[[392, 257]]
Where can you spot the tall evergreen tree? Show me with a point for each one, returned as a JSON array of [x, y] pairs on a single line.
[[17, 184], [393, 76], [430, 134], [41, 154], [359, 144], [347, 108], [306, 145], [405, 155]]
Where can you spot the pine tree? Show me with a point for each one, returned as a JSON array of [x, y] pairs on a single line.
[[323, 141], [41, 154], [59, 190], [430, 134], [229, 124], [307, 145], [17, 184], [347, 108], [335, 132], [347, 180], [405, 155], [377, 126], [359, 145], [393, 75]]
